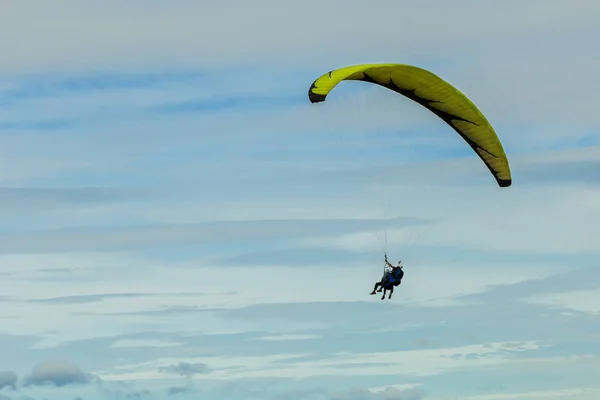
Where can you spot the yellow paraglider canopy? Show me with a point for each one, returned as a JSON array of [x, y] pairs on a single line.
[[433, 93]]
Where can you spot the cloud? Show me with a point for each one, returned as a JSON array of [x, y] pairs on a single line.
[[185, 32], [8, 379], [119, 238], [90, 298], [175, 390], [274, 391], [288, 337], [185, 369], [90, 239], [582, 393], [410, 363], [123, 390], [57, 373], [389, 393], [16, 199], [587, 301], [132, 343], [207, 302]]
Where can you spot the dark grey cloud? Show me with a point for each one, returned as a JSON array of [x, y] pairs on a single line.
[[185, 369], [8, 379], [57, 373]]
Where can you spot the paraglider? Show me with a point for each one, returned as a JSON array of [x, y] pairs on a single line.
[[439, 97], [433, 93]]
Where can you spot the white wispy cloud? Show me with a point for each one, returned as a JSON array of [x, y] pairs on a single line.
[[415, 362], [587, 301], [580, 393]]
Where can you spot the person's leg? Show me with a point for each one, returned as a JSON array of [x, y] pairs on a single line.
[[375, 288]]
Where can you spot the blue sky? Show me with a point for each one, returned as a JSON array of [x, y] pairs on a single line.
[[178, 221]]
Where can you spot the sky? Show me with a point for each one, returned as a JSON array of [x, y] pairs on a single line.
[[178, 221]]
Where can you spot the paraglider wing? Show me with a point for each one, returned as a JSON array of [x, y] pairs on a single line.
[[433, 93]]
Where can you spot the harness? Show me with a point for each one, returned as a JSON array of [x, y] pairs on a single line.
[[393, 279]]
